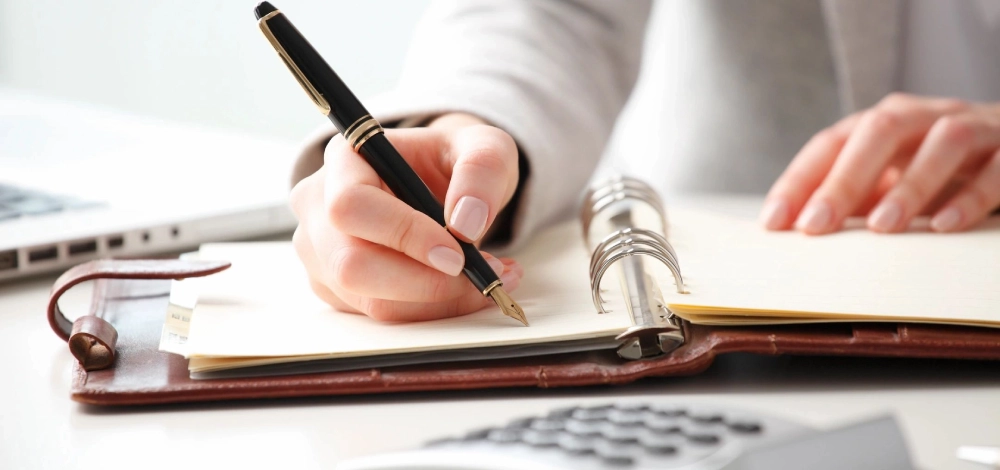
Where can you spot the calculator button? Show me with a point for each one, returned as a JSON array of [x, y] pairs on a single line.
[[592, 414], [504, 436], [563, 413], [616, 458], [706, 417], [520, 423], [576, 445], [634, 407], [478, 434], [660, 449], [548, 424], [746, 427], [442, 441], [623, 439], [703, 438], [664, 428], [584, 428], [669, 411], [626, 418], [622, 435], [540, 438]]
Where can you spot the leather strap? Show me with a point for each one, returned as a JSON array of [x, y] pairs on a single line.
[[92, 338]]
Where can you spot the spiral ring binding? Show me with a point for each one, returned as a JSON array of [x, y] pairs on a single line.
[[627, 241], [619, 189], [659, 241]]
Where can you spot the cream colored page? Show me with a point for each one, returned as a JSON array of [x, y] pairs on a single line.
[[262, 306], [732, 264]]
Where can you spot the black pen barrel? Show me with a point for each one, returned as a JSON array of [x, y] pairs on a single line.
[[363, 133]]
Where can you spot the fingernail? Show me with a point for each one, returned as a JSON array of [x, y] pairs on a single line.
[[496, 264], [946, 220], [446, 260], [774, 214], [510, 281], [816, 217], [469, 217], [886, 216]]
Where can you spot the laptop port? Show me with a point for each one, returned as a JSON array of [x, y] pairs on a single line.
[[43, 254], [116, 241], [8, 260], [80, 248]]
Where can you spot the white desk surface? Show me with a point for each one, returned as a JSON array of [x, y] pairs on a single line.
[[939, 404]]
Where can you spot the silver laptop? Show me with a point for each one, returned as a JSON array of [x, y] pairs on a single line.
[[78, 183]]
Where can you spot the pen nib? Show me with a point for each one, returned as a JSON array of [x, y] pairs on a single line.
[[507, 305]]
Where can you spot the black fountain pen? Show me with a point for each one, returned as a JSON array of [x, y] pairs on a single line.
[[365, 135]]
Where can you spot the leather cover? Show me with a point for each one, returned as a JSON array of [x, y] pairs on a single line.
[[142, 375]]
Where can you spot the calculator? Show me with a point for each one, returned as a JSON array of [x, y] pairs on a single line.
[[639, 436]]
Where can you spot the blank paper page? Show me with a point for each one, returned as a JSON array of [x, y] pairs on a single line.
[[733, 268], [263, 306]]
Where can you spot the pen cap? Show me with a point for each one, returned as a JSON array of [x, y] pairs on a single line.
[[324, 87]]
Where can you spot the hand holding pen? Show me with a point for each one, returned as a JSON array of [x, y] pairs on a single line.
[[367, 251]]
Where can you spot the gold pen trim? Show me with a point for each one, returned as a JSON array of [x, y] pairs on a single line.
[[314, 94], [493, 285], [363, 129], [350, 129]]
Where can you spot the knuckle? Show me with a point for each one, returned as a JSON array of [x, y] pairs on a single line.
[[298, 238], [317, 288], [438, 288], [404, 232], [298, 197], [956, 129], [346, 266], [296, 194], [323, 293], [895, 100], [955, 105], [335, 148], [485, 158], [846, 190], [343, 204], [881, 121], [379, 309], [914, 190], [830, 137]]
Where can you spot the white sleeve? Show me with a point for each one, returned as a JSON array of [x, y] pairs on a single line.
[[553, 74]]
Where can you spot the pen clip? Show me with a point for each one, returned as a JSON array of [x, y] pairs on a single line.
[[314, 94]]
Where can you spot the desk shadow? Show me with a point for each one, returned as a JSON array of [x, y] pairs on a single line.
[[738, 373]]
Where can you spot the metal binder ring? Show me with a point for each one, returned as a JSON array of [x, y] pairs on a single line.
[[600, 261], [619, 189], [625, 252], [601, 258], [615, 236], [603, 203]]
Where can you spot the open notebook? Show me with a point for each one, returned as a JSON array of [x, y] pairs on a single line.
[[260, 318]]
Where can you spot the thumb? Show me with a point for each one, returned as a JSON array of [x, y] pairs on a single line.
[[484, 177]]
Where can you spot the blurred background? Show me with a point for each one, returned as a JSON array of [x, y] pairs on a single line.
[[201, 62], [207, 63]]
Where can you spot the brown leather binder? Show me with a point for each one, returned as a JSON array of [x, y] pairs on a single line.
[[119, 363]]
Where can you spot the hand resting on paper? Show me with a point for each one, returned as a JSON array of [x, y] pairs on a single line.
[[367, 252], [906, 156]]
